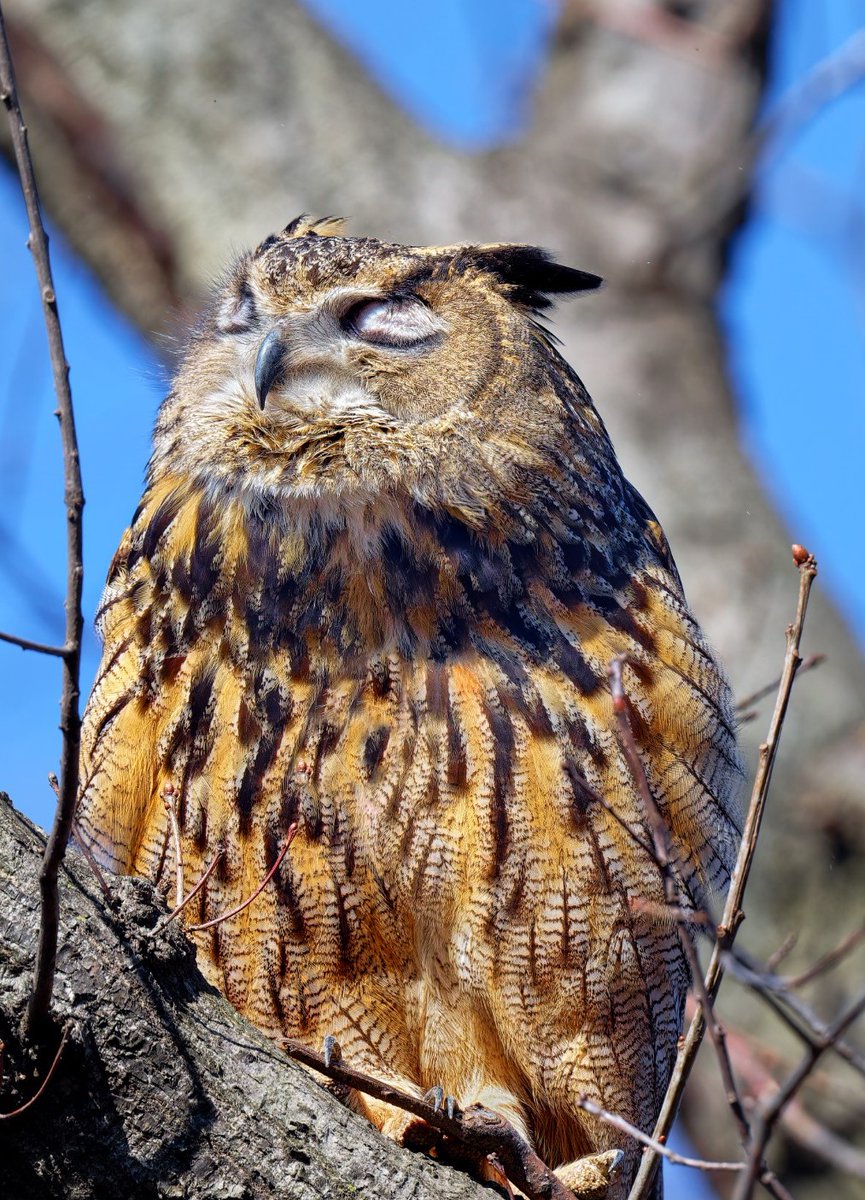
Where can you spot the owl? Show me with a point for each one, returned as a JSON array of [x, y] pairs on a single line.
[[384, 557]]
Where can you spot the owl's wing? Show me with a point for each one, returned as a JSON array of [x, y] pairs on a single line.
[[118, 742]]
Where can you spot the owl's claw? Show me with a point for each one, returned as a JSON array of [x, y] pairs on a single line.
[[437, 1098], [330, 1050]]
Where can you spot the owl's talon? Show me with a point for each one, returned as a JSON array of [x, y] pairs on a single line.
[[440, 1102], [331, 1051]]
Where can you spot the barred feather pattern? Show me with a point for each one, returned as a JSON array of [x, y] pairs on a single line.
[[393, 627]]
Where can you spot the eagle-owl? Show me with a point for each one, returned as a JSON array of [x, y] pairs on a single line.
[[383, 560]]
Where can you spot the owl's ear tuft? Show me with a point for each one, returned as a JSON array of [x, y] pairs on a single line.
[[235, 312], [305, 225], [531, 275]]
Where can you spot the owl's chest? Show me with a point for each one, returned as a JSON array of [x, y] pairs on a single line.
[[461, 820]]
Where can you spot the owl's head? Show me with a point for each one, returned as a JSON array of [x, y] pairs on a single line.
[[328, 362]]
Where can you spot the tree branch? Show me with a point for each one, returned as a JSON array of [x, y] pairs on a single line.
[[770, 1109], [27, 644], [38, 1010], [800, 1018], [669, 863], [479, 1131], [22, 1108], [699, 1164]]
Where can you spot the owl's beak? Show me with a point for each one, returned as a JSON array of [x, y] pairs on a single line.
[[269, 364]]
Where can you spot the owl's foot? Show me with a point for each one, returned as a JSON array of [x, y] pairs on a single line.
[[331, 1053], [439, 1101], [590, 1177]]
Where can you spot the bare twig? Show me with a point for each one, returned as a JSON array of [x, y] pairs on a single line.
[[168, 799], [807, 664], [668, 860], [667, 914], [289, 838], [64, 1038], [93, 864], [27, 644], [753, 1062], [778, 956], [699, 1164], [70, 720], [829, 78], [733, 914], [769, 1110], [793, 1011], [828, 961], [175, 912]]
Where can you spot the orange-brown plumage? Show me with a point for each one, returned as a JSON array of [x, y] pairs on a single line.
[[382, 604]]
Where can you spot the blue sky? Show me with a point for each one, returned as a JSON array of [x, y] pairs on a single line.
[[794, 308]]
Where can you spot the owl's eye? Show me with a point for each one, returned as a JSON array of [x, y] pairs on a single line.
[[396, 321]]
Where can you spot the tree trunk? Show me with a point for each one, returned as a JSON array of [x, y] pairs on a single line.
[[168, 135]]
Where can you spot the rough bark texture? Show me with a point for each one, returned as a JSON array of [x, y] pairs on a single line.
[[169, 135], [164, 1090]]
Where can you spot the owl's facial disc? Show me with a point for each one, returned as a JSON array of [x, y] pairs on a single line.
[[309, 356]]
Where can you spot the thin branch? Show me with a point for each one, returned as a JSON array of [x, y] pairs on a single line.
[[39, 1005], [171, 808], [817, 1049], [793, 1011], [26, 644], [770, 1109], [667, 857], [733, 914], [807, 664], [778, 956], [828, 961], [667, 914], [699, 1164], [91, 862], [63, 1040], [289, 838], [755, 1064], [175, 912], [828, 79]]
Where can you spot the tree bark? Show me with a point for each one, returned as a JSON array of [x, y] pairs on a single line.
[[167, 136], [163, 1090]]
